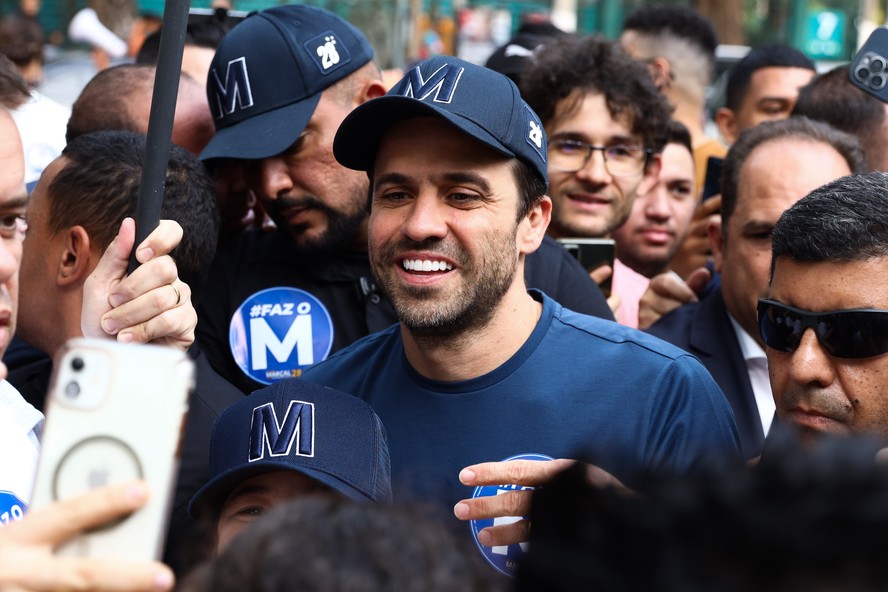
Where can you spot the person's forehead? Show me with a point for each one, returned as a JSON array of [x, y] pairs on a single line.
[[588, 112], [12, 161], [777, 82], [831, 285], [780, 172], [677, 160]]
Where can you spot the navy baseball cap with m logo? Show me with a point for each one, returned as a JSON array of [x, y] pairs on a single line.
[[295, 425], [481, 103], [268, 74]]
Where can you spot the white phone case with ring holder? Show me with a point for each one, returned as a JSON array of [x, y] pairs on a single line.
[[115, 413]]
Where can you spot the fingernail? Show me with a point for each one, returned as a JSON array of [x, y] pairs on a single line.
[[484, 538], [461, 510], [125, 337], [146, 254], [115, 300], [110, 326], [163, 580], [137, 492], [467, 476]]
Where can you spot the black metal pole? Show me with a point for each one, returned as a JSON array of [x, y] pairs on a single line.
[[160, 120]]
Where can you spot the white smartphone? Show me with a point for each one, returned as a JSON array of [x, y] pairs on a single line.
[[115, 413]]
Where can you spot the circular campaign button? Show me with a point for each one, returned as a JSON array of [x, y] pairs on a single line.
[[504, 558], [278, 333]]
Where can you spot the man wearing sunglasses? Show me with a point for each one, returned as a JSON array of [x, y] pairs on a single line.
[[768, 169], [824, 320]]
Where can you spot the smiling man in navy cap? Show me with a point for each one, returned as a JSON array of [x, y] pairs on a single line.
[[481, 369]]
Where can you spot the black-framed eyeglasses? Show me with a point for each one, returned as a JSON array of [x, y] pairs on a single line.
[[852, 333], [620, 160]]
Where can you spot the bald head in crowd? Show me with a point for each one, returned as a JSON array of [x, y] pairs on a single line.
[[119, 98]]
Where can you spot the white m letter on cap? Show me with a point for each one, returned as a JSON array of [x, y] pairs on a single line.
[[442, 84], [234, 93]]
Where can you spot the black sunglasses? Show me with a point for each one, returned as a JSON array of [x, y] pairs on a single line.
[[853, 333]]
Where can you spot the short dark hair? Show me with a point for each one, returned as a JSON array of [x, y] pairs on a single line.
[[531, 188], [677, 133], [99, 186], [21, 39], [201, 31], [797, 128], [674, 19], [845, 220], [338, 544], [829, 97], [596, 65], [103, 103], [802, 519], [765, 56]]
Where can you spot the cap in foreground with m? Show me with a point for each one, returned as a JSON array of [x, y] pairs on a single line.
[[268, 74], [481, 103], [295, 425]]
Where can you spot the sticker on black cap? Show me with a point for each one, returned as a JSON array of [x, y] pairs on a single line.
[[278, 333], [327, 52], [504, 558]]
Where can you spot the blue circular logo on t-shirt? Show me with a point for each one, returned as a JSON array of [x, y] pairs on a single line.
[[504, 558], [278, 332]]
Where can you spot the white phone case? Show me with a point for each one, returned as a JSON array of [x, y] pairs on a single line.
[[115, 413]]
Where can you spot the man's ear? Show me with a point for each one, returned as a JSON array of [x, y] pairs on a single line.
[[651, 174], [532, 228], [661, 71], [75, 261], [370, 89], [727, 125]]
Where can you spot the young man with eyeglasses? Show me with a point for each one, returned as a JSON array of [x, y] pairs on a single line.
[[607, 124], [767, 170], [824, 321]]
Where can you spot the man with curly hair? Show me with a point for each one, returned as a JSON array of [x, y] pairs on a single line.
[[593, 98]]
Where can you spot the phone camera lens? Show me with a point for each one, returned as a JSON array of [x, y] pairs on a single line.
[[862, 73], [72, 390], [77, 364], [877, 82], [877, 64]]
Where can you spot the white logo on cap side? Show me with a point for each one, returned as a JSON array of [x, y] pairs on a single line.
[[536, 134], [235, 91], [327, 52]]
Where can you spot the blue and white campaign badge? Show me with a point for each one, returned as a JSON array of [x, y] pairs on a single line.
[[278, 333], [504, 558], [12, 509]]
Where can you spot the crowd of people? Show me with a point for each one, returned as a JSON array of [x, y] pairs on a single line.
[[393, 351]]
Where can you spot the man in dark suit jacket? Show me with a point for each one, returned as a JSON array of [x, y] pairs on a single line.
[[768, 169]]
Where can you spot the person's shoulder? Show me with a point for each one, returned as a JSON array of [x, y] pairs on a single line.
[[675, 322], [614, 335]]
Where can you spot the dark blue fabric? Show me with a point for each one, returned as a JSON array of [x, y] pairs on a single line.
[[578, 385], [705, 330]]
